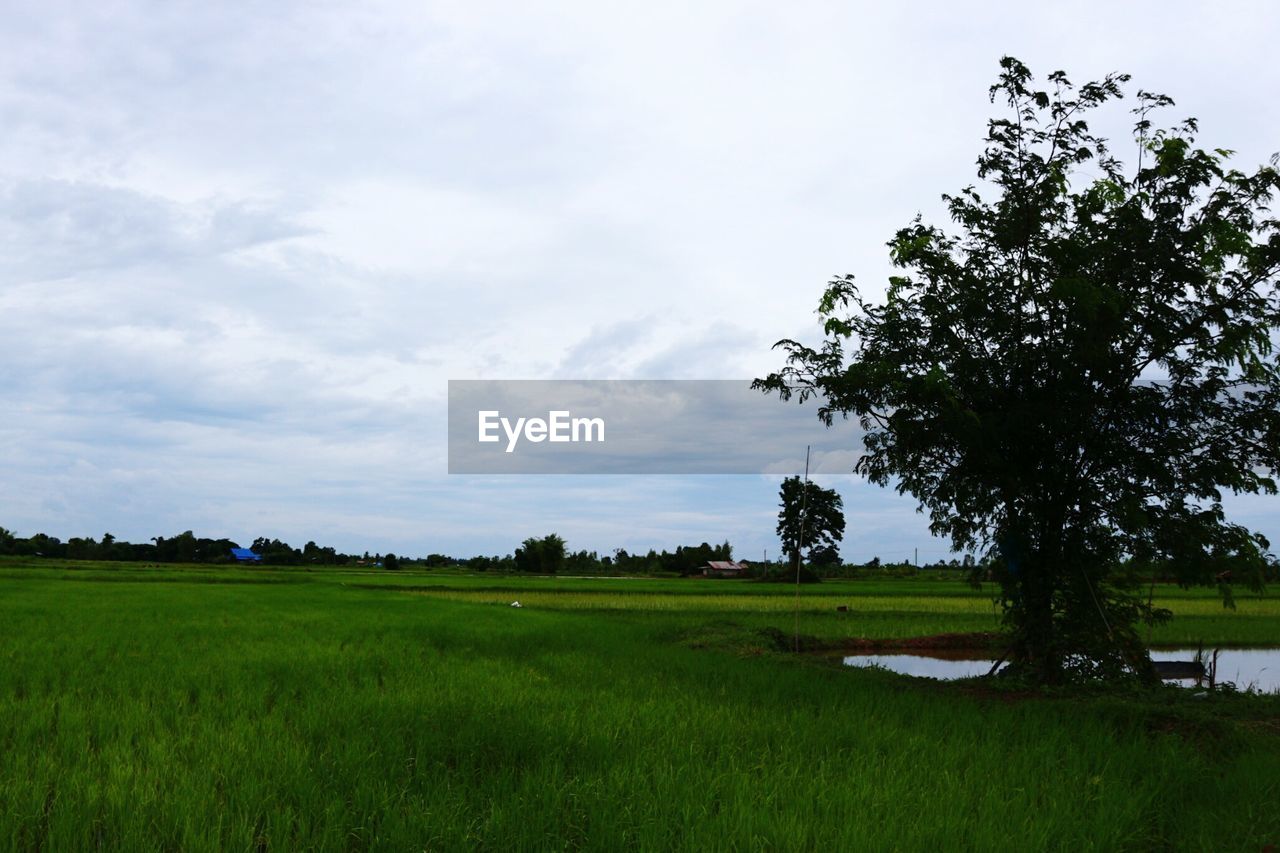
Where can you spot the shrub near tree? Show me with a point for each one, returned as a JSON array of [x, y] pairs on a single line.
[[1072, 378]]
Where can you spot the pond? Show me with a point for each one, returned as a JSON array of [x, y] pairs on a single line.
[[1248, 669]]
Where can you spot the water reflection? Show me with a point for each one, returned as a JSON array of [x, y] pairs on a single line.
[[1247, 669], [925, 665]]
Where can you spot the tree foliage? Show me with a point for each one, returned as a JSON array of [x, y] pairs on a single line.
[[541, 556], [1073, 376], [818, 518]]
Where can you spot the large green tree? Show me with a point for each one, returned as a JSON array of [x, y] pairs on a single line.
[[810, 517], [1072, 377], [541, 556]]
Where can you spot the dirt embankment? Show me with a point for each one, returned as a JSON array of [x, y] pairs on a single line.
[[979, 644]]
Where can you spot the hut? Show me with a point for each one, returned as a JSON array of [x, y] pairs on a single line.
[[724, 569]]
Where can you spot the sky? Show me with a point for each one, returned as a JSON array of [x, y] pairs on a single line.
[[244, 247]]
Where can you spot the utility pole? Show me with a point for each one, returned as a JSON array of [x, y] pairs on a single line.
[[804, 509], [917, 558]]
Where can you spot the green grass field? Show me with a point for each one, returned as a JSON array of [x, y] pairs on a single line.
[[197, 709]]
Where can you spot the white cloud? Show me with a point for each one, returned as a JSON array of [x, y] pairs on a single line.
[[250, 243]]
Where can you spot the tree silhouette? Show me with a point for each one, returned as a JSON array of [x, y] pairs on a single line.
[[1072, 379], [819, 519]]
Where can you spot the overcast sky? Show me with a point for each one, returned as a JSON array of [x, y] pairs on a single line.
[[243, 247]]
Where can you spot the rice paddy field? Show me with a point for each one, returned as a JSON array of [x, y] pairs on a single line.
[[188, 708]]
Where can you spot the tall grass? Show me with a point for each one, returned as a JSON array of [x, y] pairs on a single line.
[[318, 716], [873, 609]]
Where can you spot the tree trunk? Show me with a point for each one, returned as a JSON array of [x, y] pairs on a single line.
[[1035, 632]]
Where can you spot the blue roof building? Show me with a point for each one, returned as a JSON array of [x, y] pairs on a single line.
[[244, 555]]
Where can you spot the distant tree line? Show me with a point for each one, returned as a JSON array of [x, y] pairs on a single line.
[[965, 566], [185, 547], [548, 555], [545, 555], [537, 555]]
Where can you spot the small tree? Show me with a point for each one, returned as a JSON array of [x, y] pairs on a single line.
[[391, 562], [1072, 380], [819, 519]]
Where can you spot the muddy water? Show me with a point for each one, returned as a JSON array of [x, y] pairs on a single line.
[[1248, 669]]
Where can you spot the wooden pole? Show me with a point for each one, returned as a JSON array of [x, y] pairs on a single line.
[[804, 508]]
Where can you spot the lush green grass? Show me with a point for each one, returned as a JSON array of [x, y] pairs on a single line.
[[175, 709], [877, 609]]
